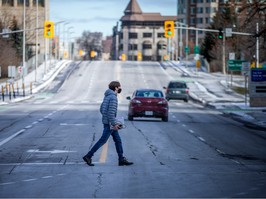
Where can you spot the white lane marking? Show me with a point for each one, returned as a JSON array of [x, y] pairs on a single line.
[[66, 124], [191, 131], [61, 174], [33, 123], [45, 177], [7, 183], [28, 127], [219, 151], [11, 137], [29, 180], [41, 163], [201, 139], [52, 152], [184, 125]]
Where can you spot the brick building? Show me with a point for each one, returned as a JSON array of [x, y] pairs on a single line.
[[140, 34]]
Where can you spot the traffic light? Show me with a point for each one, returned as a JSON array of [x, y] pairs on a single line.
[[169, 29], [220, 34], [49, 29]]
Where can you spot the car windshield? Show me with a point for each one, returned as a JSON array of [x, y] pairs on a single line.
[[177, 85], [149, 94]]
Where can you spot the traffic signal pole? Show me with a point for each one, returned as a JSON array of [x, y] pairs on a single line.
[[236, 33], [24, 42]]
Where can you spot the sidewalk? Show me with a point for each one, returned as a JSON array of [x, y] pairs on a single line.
[[42, 80], [218, 96]]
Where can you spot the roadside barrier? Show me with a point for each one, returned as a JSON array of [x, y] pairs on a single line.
[[11, 90]]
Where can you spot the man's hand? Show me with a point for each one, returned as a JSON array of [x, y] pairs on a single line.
[[117, 127]]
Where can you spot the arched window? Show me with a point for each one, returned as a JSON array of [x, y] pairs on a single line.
[[21, 2], [8, 2], [40, 2]]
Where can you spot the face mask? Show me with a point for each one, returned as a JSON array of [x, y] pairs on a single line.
[[119, 90]]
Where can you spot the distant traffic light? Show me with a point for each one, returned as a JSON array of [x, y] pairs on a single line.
[[220, 34], [169, 29], [49, 29]]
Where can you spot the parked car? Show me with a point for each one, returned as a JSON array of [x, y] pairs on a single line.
[[148, 103], [177, 90]]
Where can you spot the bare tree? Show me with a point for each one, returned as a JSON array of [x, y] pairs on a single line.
[[252, 13], [91, 41]]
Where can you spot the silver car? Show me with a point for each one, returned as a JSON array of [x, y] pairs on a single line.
[[177, 90]]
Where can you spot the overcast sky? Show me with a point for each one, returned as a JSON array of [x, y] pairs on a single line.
[[101, 15]]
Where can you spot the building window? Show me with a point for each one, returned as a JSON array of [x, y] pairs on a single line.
[[199, 20], [147, 35], [7, 2], [193, 10], [21, 2], [200, 10], [146, 58], [133, 47], [160, 35], [207, 10], [133, 35], [40, 2], [147, 46], [192, 21]]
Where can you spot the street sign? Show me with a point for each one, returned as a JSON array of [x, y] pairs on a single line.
[[258, 74], [232, 56], [186, 49], [234, 65], [11, 71], [196, 50], [5, 30], [20, 69], [228, 32], [245, 68]]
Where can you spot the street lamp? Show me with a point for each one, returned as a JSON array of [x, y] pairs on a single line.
[[181, 43], [63, 41], [66, 42], [69, 43], [37, 39], [58, 42]]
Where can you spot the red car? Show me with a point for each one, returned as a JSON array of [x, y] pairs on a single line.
[[148, 103]]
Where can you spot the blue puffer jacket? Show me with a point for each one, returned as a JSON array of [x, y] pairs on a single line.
[[108, 107]]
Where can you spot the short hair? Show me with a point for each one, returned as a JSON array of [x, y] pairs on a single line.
[[114, 84]]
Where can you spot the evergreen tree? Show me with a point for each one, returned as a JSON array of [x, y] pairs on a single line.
[[17, 38]]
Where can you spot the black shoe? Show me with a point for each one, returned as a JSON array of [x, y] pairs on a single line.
[[88, 160], [124, 162]]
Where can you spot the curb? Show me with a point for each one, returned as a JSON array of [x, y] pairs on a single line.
[[254, 124], [40, 86]]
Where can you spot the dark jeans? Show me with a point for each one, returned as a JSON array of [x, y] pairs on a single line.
[[106, 134]]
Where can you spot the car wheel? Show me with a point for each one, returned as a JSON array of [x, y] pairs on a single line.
[[165, 119], [130, 118], [185, 100], [168, 99]]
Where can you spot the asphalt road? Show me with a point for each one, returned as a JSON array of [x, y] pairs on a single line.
[[198, 153]]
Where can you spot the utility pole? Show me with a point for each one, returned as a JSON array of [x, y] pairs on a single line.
[[24, 42], [37, 39], [223, 56], [257, 46]]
